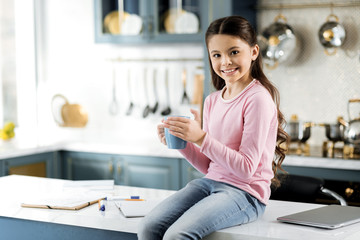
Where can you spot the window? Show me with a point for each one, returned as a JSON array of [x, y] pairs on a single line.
[[8, 90], [18, 94]]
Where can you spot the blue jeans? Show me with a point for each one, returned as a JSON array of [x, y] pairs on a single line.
[[203, 206]]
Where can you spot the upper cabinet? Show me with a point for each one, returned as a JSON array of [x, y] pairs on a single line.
[[150, 21]]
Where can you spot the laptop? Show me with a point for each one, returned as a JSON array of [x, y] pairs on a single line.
[[329, 217]]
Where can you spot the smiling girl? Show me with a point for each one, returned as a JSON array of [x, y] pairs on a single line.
[[238, 148]]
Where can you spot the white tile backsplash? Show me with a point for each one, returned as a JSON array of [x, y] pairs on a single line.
[[315, 86]]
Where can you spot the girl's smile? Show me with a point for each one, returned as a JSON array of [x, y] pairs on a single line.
[[229, 72]]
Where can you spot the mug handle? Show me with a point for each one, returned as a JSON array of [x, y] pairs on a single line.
[[52, 107]]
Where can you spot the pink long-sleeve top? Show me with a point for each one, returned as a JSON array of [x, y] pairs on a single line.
[[240, 140]]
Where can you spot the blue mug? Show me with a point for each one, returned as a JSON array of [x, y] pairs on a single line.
[[172, 141]]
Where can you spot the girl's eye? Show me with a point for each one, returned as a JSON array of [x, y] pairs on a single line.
[[234, 52], [216, 55]]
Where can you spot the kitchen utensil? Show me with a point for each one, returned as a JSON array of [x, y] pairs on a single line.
[[352, 128], [114, 20], [198, 88], [154, 109], [147, 108], [179, 21], [185, 99], [72, 115], [298, 131], [277, 42], [114, 106], [187, 22], [132, 25], [122, 22], [334, 132], [331, 35], [131, 105], [170, 17], [167, 110]]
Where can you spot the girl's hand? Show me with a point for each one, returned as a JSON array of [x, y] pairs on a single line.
[[161, 133], [186, 129]]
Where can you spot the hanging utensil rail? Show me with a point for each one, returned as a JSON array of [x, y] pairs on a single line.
[[307, 5], [156, 60]]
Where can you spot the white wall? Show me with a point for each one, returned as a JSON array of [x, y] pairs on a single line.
[[316, 87], [75, 66]]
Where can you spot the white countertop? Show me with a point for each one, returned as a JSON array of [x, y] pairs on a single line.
[[149, 148], [20, 188], [129, 147]]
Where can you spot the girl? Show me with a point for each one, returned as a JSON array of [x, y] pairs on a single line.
[[242, 129]]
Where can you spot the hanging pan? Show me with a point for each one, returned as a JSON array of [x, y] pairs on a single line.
[[331, 35], [277, 42]]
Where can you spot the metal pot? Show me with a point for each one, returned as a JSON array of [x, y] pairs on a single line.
[[352, 128], [334, 132], [277, 42], [331, 35], [298, 131]]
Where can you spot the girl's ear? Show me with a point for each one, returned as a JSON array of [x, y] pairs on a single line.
[[255, 52]]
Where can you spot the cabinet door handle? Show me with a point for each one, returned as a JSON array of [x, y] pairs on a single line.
[[69, 168], [111, 168], [150, 23]]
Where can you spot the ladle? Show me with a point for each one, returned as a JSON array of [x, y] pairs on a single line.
[[147, 108], [167, 110], [131, 105], [185, 99], [114, 107], [154, 109]]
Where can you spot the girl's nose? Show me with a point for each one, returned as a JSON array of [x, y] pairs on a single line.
[[226, 61]]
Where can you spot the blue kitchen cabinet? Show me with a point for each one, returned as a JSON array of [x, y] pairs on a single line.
[[149, 172], [153, 13], [39, 165], [156, 27], [88, 166], [188, 172], [137, 171]]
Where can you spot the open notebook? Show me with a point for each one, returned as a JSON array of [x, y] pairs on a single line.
[[63, 202], [330, 217], [136, 208]]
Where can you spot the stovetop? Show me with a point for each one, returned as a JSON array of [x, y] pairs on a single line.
[[328, 150]]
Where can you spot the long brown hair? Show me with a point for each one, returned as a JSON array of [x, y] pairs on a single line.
[[240, 27]]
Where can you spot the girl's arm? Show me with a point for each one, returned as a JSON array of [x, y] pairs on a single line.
[[193, 155], [192, 152]]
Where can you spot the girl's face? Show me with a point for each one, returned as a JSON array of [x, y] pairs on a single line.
[[231, 57]]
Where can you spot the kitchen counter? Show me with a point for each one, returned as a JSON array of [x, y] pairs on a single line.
[[89, 223], [152, 148], [147, 148]]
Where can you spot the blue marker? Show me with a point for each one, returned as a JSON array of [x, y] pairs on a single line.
[[101, 205]]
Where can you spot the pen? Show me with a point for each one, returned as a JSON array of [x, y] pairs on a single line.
[[101, 205], [132, 198]]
